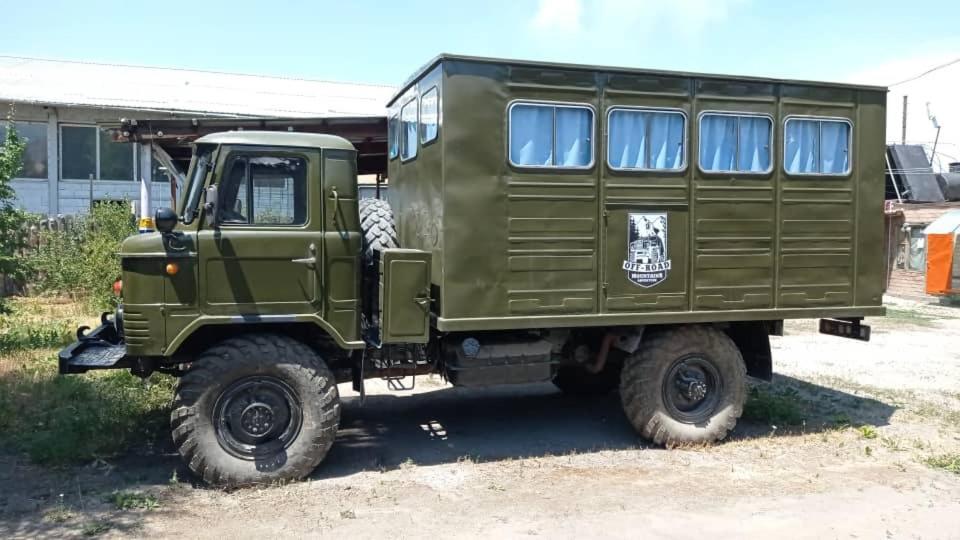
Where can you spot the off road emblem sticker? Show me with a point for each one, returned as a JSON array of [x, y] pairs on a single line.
[[647, 263]]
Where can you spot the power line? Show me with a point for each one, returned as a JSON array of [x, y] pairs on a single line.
[[927, 72]]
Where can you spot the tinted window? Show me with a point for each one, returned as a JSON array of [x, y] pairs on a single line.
[[428, 115], [393, 136], [116, 159], [78, 152], [643, 139], [814, 146], [34, 135], [543, 135], [264, 190], [408, 130], [735, 143]]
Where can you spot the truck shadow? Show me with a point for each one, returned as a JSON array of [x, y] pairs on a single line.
[[452, 424]]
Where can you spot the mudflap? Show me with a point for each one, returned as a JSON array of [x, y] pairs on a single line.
[[101, 348]]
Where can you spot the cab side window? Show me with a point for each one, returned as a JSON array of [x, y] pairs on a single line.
[[264, 190]]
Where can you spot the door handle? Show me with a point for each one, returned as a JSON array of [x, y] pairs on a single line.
[[424, 303], [312, 259]]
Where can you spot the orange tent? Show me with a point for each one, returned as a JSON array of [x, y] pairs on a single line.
[[943, 260]]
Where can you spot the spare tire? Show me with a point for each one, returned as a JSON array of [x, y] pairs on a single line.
[[379, 230]]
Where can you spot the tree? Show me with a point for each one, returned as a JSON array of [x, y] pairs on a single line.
[[13, 235]]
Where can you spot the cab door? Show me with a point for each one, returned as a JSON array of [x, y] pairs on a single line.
[[263, 256]]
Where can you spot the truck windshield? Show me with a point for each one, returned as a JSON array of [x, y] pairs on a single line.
[[201, 162]]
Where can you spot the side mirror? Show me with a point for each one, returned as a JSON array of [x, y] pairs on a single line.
[[211, 205], [165, 219]]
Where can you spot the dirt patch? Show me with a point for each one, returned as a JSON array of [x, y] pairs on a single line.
[[850, 439]]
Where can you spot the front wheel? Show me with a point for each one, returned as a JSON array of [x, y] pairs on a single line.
[[255, 409], [685, 385]]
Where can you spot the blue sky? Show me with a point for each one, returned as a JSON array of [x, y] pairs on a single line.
[[383, 42]]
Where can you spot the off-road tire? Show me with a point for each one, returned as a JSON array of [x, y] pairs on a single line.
[[577, 381], [643, 387], [238, 359], [379, 229]]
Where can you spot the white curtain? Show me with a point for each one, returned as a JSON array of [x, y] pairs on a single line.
[[531, 135], [803, 146], [834, 145], [627, 143], [666, 141], [754, 149], [573, 136], [718, 142], [408, 130], [645, 140]]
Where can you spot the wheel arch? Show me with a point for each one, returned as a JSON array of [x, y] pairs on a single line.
[[309, 333], [753, 340]]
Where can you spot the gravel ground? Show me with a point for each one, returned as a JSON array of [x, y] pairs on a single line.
[[528, 461]]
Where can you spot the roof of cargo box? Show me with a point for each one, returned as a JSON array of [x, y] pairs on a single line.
[[948, 223], [611, 69]]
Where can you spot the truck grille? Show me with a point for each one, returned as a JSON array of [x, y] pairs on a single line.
[[136, 328]]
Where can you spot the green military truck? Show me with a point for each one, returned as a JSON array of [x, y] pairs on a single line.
[[601, 228]]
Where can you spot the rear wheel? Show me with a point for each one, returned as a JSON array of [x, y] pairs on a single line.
[[255, 409], [685, 385]]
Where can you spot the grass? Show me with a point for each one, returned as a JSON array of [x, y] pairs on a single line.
[[58, 419], [95, 528], [774, 406], [911, 317], [868, 432], [133, 500], [946, 462]]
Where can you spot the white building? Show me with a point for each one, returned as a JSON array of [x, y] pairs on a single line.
[[71, 163]]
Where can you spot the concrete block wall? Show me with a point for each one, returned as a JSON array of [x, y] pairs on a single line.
[[33, 195]]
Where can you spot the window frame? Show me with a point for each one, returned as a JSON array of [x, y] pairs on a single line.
[[684, 164], [393, 137], [416, 140], [420, 125], [554, 105], [736, 158], [96, 164], [247, 153], [819, 120], [5, 124]]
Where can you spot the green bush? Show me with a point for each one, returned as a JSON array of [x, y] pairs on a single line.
[[81, 261], [13, 235]]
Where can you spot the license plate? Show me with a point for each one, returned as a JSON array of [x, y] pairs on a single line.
[[847, 329]]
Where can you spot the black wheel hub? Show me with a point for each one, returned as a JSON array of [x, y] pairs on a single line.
[[692, 389], [257, 416]]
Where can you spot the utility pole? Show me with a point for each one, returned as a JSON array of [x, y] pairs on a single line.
[[903, 137]]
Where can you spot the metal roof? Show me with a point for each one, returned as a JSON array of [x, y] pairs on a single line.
[[183, 91], [610, 69], [278, 138]]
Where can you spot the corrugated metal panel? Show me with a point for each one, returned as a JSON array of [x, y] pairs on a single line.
[[30, 80]]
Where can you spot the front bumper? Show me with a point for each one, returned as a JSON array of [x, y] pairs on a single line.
[[101, 348]]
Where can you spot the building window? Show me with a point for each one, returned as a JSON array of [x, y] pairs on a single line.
[[265, 190], [549, 135], [393, 136], [735, 143], [34, 134], [816, 146], [428, 116], [408, 130], [640, 139], [86, 152], [917, 249]]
